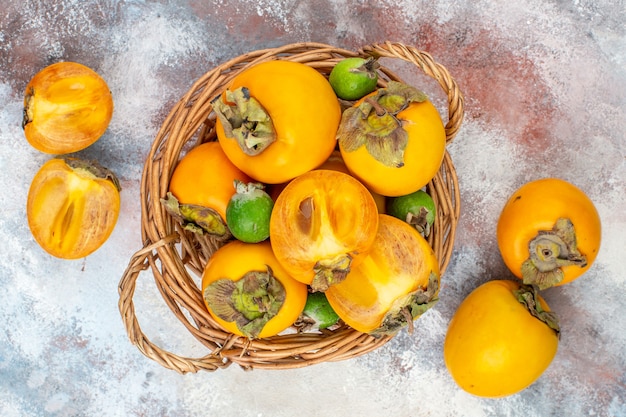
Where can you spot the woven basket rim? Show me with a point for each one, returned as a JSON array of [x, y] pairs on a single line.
[[173, 255]]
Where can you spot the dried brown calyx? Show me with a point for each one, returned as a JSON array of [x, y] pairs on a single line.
[[528, 295], [408, 308], [250, 302], [375, 124], [195, 218], [245, 120], [549, 252]]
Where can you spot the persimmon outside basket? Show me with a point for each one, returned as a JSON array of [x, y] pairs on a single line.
[[177, 257]]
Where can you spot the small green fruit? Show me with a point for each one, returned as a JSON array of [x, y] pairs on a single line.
[[317, 313], [353, 78], [417, 209], [248, 212]]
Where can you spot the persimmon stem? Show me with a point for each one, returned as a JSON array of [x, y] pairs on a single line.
[[409, 319], [528, 295], [380, 110]]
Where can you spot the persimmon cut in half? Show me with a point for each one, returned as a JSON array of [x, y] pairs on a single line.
[[72, 207], [323, 223], [397, 282], [67, 107]]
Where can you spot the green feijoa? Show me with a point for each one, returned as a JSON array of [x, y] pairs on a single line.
[[248, 212], [353, 78], [317, 313], [417, 209]]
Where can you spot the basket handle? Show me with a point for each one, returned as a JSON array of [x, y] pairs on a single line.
[[430, 67], [140, 261]]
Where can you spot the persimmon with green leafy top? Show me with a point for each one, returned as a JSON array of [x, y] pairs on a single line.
[[248, 292], [393, 140], [277, 120]]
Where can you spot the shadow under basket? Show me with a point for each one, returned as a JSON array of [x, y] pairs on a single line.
[[176, 258]]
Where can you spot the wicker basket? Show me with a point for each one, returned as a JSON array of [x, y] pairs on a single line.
[[175, 256]]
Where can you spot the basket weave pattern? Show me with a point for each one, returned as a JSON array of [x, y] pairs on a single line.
[[175, 256]]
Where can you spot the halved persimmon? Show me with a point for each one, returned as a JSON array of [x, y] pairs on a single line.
[[323, 223], [335, 162], [72, 207], [396, 283], [67, 107]]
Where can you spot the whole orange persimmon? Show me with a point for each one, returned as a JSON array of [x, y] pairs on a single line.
[[549, 232], [201, 187], [277, 120], [500, 340], [393, 140], [248, 292]]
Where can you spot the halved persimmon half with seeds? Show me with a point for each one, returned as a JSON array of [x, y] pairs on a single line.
[[67, 107], [72, 207], [323, 223], [397, 282]]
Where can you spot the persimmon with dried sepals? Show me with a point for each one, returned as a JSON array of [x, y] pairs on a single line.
[[322, 225], [397, 282], [201, 188], [72, 207], [549, 232], [67, 107], [277, 120], [393, 140], [501, 339], [249, 293]]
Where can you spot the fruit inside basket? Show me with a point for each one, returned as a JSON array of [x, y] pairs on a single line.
[[176, 253]]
